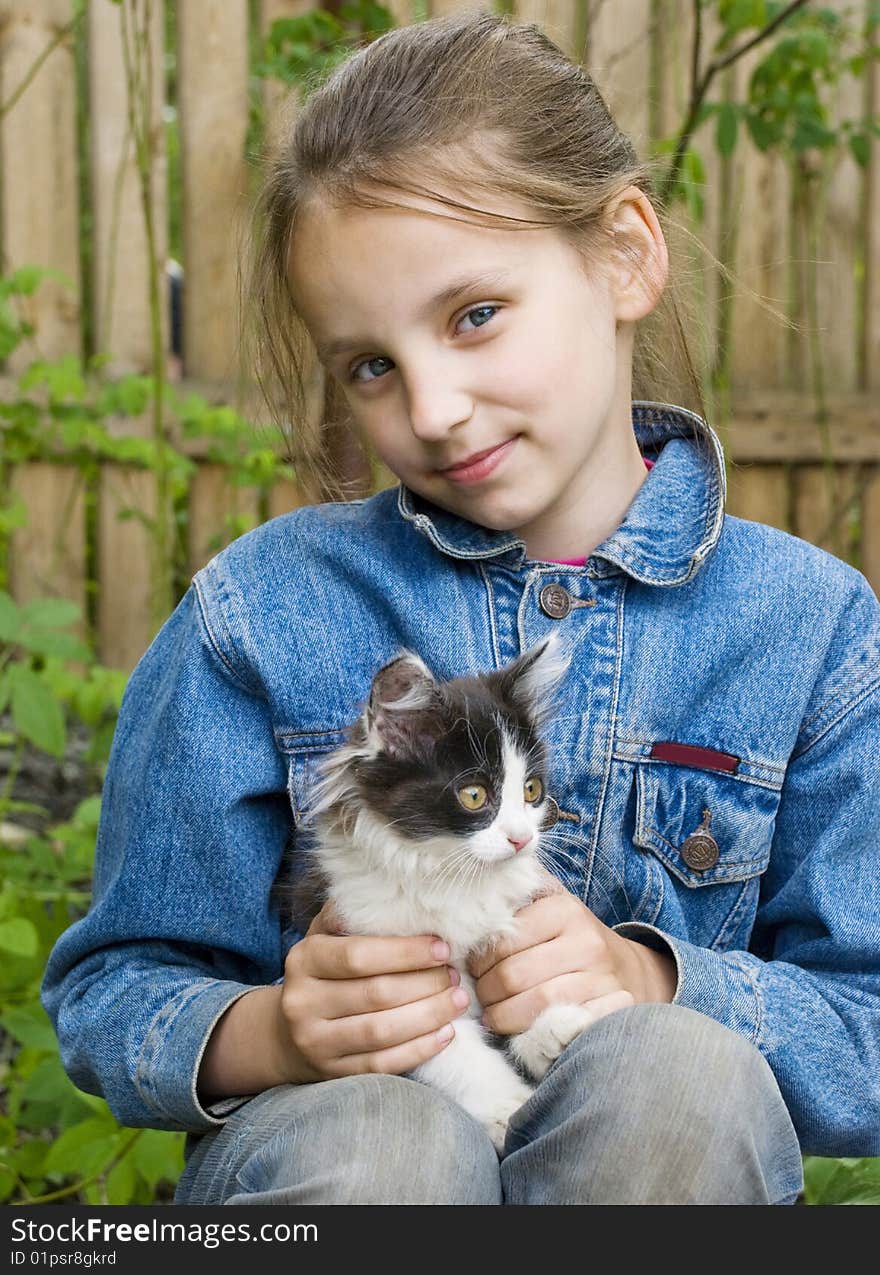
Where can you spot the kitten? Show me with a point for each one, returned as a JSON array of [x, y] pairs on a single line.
[[428, 821]]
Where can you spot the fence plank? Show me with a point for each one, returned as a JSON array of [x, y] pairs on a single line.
[[559, 19], [619, 52], [759, 493], [48, 556], [821, 496], [758, 254], [870, 556], [871, 337], [212, 90], [124, 625], [440, 8], [841, 227], [38, 175], [284, 496], [212, 499], [121, 295]]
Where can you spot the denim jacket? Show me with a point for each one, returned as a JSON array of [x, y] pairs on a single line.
[[714, 756]]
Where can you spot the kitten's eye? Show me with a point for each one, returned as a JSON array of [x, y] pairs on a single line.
[[533, 790], [473, 797]]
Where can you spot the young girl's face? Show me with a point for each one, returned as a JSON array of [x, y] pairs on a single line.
[[488, 370]]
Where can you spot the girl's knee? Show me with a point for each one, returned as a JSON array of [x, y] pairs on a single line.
[[365, 1140], [657, 1103]]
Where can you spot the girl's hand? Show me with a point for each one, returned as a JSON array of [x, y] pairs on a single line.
[[357, 1003], [562, 953]]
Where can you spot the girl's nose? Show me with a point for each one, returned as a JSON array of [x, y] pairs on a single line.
[[435, 409]]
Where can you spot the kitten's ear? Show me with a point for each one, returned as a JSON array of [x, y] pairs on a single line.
[[530, 681], [402, 704]]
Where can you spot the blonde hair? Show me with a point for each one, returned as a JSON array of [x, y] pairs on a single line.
[[477, 103]]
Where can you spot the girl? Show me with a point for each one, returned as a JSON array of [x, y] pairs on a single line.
[[459, 230]]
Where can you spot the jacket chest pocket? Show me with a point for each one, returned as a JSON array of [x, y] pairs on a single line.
[[712, 834], [300, 887], [304, 754]]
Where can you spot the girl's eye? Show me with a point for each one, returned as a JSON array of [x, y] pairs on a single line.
[[368, 363], [473, 797], [484, 313], [487, 311], [533, 790]]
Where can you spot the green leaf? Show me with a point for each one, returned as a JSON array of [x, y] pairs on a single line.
[[10, 618], [84, 1149], [51, 613], [121, 1181], [29, 1025], [725, 131], [26, 280], [35, 713], [861, 149], [18, 937], [63, 646], [48, 1082], [28, 1158], [7, 1182], [87, 815], [158, 1156]]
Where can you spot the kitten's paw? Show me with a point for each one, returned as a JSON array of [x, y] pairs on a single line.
[[496, 1121], [551, 1032]]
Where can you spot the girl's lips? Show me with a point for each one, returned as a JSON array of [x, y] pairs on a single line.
[[478, 466]]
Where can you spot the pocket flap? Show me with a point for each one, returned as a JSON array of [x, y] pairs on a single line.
[[706, 827], [304, 753]]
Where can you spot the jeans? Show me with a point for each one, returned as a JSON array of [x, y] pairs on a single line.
[[654, 1104]]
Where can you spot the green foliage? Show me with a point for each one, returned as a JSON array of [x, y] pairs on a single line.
[[841, 1181], [792, 90], [55, 1141], [304, 50]]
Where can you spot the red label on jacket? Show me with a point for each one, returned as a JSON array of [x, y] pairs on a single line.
[[692, 755]]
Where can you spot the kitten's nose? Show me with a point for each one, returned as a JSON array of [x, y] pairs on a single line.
[[518, 845]]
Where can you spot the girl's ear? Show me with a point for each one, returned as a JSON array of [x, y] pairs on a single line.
[[640, 261]]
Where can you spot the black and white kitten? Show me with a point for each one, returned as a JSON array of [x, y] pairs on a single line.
[[428, 821]]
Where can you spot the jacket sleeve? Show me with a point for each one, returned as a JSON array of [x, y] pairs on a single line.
[[194, 820], [807, 993]]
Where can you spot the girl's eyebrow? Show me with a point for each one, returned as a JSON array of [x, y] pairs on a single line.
[[452, 291]]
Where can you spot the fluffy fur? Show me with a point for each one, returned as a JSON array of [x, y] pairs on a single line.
[[428, 821]]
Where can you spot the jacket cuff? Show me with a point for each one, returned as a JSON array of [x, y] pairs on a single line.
[[169, 1061], [720, 986]]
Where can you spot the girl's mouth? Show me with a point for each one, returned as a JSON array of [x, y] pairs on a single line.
[[480, 465]]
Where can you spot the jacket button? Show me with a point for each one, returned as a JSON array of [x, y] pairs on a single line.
[[700, 849], [700, 852], [554, 601]]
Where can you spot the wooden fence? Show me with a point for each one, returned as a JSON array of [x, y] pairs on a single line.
[[819, 263]]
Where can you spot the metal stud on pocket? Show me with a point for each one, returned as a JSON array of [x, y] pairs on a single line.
[[700, 850]]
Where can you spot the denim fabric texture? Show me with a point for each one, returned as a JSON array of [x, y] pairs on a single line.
[[703, 1124], [699, 629]]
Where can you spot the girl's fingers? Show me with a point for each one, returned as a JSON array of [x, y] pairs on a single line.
[[399, 1058], [531, 968], [389, 1029], [517, 1013], [607, 1004], [345, 998], [363, 956], [536, 923]]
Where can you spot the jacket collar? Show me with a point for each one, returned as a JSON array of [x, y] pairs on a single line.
[[668, 531]]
